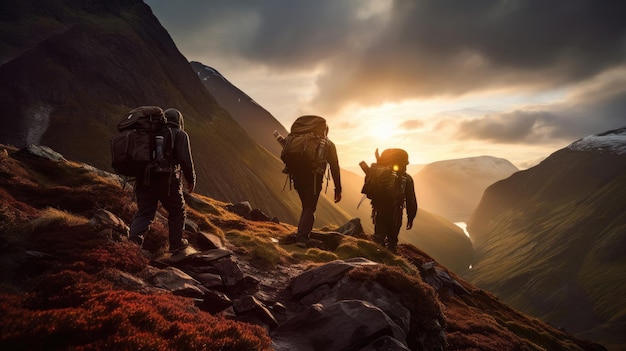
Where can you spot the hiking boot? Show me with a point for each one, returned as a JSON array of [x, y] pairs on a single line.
[[288, 240], [136, 239], [302, 240], [180, 247], [314, 243]]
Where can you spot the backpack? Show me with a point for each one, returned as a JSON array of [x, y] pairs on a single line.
[[305, 148], [144, 143], [386, 179]]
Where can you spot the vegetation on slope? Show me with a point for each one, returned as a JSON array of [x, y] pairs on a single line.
[[70, 287]]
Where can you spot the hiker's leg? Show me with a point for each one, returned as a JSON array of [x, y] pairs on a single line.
[[307, 215], [392, 240], [392, 237], [147, 202], [381, 230], [174, 203], [309, 192], [384, 224]]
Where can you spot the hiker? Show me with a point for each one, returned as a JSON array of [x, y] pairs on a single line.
[[391, 190], [306, 153], [167, 188]]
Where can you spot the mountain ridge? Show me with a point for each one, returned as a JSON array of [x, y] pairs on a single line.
[[556, 230]]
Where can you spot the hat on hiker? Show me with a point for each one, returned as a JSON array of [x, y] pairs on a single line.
[[175, 118]]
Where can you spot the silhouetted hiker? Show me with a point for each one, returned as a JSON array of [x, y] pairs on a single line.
[[306, 152], [391, 189], [166, 186]]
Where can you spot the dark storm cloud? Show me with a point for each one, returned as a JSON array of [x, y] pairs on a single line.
[[279, 34], [450, 47], [426, 47], [417, 49]]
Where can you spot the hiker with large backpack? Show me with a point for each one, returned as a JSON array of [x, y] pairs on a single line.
[[306, 152], [390, 190], [153, 148]]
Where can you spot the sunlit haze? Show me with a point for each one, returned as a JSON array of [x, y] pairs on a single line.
[[443, 80]]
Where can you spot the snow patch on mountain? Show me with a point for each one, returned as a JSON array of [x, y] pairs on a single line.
[[473, 166], [613, 141]]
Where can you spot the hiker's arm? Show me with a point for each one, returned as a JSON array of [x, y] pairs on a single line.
[[183, 156], [411, 201], [333, 161]]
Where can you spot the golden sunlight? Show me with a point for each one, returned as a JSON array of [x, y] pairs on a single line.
[[383, 130]]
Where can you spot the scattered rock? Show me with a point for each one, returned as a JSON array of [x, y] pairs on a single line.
[[343, 325], [329, 240], [352, 228], [178, 282], [109, 226], [251, 307], [214, 302], [208, 241], [245, 210], [242, 209], [440, 280], [329, 273], [42, 152]]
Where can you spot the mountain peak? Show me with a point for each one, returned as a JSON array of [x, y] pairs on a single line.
[[613, 141]]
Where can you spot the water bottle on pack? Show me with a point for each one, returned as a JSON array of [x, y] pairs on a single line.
[[159, 147]]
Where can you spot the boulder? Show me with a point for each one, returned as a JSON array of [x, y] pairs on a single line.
[[249, 306], [214, 302], [329, 273], [109, 226], [343, 325], [352, 228], [178, 282]]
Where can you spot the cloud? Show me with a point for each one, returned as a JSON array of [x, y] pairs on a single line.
[[594, 106], [412, 124], [367, 53], [448, 48], [427, 46], [517, 126]]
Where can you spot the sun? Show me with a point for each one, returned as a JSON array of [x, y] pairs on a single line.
[[383, 130]]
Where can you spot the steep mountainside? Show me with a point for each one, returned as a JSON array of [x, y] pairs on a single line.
[[551, 240], [254, 119], [71, 69], [71, 280], [453, 188]]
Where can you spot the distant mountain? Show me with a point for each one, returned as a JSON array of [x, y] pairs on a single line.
[[252, 117], [453, 188], [551, 240], [71, 69]]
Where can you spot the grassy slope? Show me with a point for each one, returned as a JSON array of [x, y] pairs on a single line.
[[557, 253]]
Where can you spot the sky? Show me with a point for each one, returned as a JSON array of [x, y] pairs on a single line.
[[442, 79]]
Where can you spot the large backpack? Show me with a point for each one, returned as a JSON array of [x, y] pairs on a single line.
[[306, 146], [144, 143], [386, 179]]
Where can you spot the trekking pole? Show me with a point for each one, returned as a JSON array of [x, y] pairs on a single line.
[[327, 180]]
